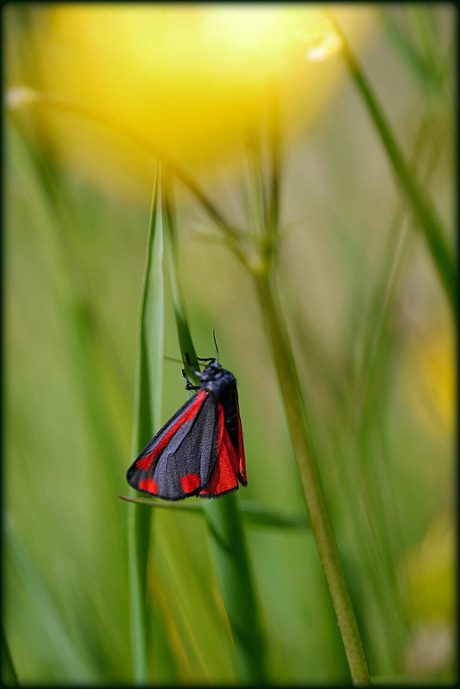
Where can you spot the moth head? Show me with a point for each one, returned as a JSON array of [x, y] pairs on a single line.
[[212, 371]]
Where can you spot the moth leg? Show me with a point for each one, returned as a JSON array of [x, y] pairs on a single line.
[[197, 373], [189, 386], [210, 358]]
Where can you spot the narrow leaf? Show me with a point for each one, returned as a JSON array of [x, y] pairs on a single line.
[[226, 531], [253, 515], [147, 418]]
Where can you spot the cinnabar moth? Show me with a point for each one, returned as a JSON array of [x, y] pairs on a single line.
[[199, 451]]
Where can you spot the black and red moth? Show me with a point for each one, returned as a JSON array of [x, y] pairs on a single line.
[[199, 451]]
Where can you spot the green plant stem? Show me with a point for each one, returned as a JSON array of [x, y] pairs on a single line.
[[9, 676], [422, 206], [138, 526], [229, 547], [223, 517], [303, 450]]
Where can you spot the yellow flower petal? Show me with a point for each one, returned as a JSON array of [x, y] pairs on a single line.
[[190, 78]]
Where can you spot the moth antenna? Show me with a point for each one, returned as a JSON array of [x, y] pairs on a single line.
[[217, 349]]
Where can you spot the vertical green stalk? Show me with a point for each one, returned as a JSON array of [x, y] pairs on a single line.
[[297, 418], [273, 211], [226, 531], [304, 454], [9, 677], [229, 547], [147, 418], [422, 206], [180, 315], [138, 530]]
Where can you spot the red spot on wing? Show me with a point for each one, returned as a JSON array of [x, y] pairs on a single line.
[[241, 458], [149, 485], [146, 462], [223, 477], [190, 482]]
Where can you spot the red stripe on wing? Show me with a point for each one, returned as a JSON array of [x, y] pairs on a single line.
[[146, 462], [223, 477], [241, 458]]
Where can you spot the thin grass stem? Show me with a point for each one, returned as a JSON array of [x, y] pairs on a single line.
[[275, 169], [433, 227], [304, 454], [21, 97], [300, 434]]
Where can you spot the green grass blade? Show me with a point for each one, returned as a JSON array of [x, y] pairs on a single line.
[[71, 659], [226, 532], [371, 392], [9, 677], [432, 225], [258, 204], [229, 548], [416, 63], [253, 514], [256, 515], [183, 331], [147, 417], [273, 216], [392, 264], [425, 23]]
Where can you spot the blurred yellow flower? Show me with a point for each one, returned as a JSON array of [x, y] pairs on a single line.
[[430, 379], [428, 574], [190, 78]]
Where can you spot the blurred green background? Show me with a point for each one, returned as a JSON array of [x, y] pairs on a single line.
[[374, 344]]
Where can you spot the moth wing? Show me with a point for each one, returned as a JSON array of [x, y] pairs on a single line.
[[161, 438], [179, 460], [224, 478], [241, 457]]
